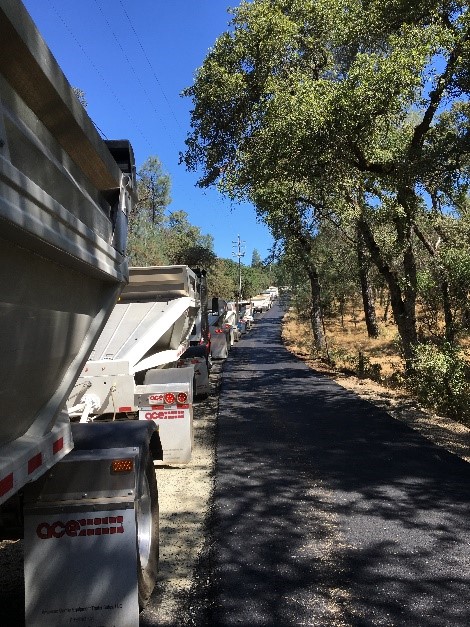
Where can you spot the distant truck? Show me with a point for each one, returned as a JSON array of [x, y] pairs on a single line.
[[261, 303], [83, 496], [134, 370], [221, 331]]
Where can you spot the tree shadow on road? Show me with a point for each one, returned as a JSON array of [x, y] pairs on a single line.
[[327, 510]]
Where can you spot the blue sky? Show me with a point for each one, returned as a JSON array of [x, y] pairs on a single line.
[[132, 60]]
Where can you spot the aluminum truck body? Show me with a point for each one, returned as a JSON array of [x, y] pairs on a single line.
[[83, 496]]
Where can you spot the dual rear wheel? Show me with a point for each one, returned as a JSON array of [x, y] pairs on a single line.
[[147, 521]]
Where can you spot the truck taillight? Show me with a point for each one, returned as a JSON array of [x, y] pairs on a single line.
[[181, 397], [219, 330], [122, 465], [169, 398]]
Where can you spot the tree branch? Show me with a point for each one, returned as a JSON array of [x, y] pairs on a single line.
[[369, 166], [435, 98]]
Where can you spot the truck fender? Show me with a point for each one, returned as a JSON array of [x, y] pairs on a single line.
[[116, 434]]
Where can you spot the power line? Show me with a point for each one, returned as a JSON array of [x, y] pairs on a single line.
[[129, 62], [99, 73], [150, 65]]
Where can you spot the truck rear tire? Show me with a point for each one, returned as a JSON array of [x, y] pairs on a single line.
[[147, 520]]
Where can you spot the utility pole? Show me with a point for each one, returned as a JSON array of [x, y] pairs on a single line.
[[238, 252]]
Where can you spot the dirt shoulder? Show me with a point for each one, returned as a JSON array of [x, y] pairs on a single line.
[[185, 498]]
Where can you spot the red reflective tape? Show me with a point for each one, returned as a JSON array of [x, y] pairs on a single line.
[[124, 409], [6, 484], [57, 446], [34, 463]]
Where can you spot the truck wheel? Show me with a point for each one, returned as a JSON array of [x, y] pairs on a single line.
[[146, 511]]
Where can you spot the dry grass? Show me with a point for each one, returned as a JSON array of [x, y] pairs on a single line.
[[346, 340]]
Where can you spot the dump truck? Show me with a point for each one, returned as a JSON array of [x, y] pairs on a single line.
[[134, 372], [220, 330], [83, 496], [261, 303]]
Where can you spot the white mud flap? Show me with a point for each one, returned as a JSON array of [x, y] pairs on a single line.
[[175, 427], [80, 547], [159, 401], [60, 593]]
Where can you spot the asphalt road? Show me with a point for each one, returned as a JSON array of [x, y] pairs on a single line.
[[326, 510]]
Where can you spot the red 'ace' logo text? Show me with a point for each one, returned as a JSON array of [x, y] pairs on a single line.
[[156, 398], [83, 527]]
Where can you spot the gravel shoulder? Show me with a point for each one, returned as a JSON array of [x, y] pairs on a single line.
[[185, 499]]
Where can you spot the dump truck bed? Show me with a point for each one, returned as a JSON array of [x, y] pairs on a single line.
[[152, 319], [63, 224]]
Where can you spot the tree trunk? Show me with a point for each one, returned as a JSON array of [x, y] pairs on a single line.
[[387, 305], [448, 317], [341, 310], [366, 289], [404, 319], [403, 305], [316, 312]]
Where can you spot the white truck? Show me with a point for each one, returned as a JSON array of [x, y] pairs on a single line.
[[261, 303], [134, 370], [221, 332], [83, 496]]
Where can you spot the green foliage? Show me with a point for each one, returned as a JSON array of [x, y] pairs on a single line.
[[184, 242], [290, 272], [159, 239], [341, 112], [364, 368], [223, 280], [431, 299], [153, 189], [256, 261], [146, 243], [440, 379], [457, 263]]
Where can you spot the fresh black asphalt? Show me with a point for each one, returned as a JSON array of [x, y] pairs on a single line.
[[327, 511]]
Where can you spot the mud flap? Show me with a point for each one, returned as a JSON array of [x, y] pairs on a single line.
[[81, 549]]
